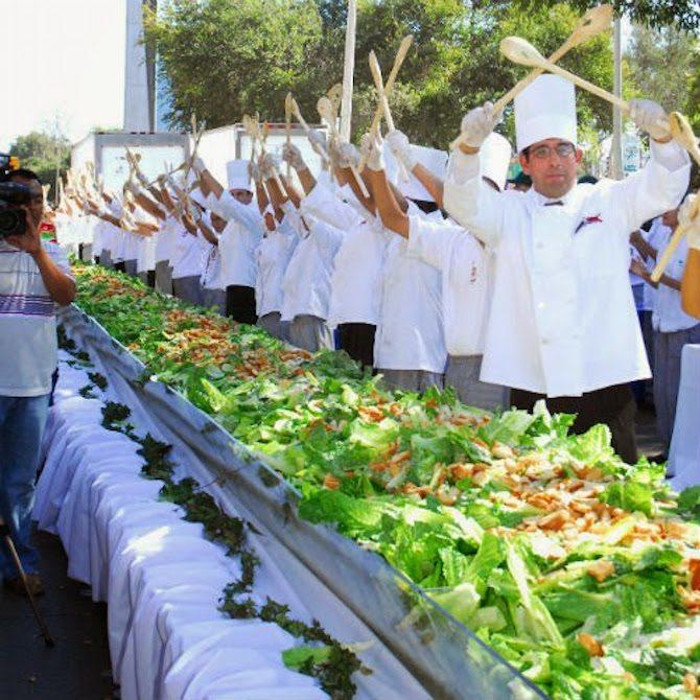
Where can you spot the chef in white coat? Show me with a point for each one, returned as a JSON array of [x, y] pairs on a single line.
[[239, 242], [465, 266], [563, 324]]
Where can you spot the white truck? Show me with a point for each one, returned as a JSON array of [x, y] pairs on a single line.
[[218, 146], [107, 152]]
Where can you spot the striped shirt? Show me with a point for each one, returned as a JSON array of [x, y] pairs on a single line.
[[27, 322]]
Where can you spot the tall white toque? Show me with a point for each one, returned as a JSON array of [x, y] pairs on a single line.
[[494, 159], [546, 109], [237, 175], [431, 159]]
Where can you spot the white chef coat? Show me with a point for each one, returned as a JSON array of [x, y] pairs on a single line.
[[410, 332], [325, 203], [211, 258], [356, 282], [464, 264], [239, 241], [563, 320], [166, 238], [143, 248], [274, 253], [188, 255], [306, 286]]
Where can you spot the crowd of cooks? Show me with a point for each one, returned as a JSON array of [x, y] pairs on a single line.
[[432, 269]]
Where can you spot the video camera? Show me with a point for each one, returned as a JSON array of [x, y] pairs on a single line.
[[13, 195]]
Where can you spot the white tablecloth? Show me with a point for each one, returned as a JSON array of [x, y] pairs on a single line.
[[162, 579], [684, 455]]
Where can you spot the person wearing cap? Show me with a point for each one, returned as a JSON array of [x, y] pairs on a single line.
[[212, 295], [306, 283], [563, 325], [356, 274], [238, 244], [464, 265], [521, 182], [187, 260], [409, 349], [274, 253]]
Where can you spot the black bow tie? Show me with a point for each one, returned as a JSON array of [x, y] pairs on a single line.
[[558, 203]]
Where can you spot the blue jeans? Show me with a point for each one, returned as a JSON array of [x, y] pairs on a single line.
[[22, 421]]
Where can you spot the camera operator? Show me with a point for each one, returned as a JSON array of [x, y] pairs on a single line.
[[34, 276]]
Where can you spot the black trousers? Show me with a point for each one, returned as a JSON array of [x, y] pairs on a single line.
[[120, 266], [612, 405], [357, 339], [240, 304]]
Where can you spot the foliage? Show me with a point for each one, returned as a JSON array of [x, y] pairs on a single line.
[[43, 153], [225, 59], [663, 64], [684, 14]]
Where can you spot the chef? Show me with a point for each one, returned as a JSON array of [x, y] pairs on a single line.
[[409, 349], [465, 267], [563, 325], [239, 242]]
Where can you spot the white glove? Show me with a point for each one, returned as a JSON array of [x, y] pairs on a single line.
[[269, 166], [400, 146], [692, 225], [478, 123], [132, 187], [198, 165], [318, 142], [646, 116], [254, 172], [292, 155], [371, 146], [347, 155]]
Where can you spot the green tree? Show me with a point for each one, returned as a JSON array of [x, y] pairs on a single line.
[[663, 65], [683, 14], [44, 153], [456, 64], [226, 58]]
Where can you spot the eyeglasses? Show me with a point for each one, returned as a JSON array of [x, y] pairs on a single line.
[[563, 150]]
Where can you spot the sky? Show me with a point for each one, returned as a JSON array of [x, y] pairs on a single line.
[[61, 60]]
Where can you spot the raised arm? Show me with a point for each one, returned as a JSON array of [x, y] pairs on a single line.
[[391, 214], [145, 202], [401, 148], [292, 155], [207, 182]]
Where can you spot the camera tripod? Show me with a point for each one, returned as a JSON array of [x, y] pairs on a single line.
[[5, 534]]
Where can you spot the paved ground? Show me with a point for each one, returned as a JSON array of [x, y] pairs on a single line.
[[78, 667]]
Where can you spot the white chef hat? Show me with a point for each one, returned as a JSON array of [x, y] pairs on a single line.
[[433, 160], [546, 109], [494, 159], [237, 175], [197, 196]]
